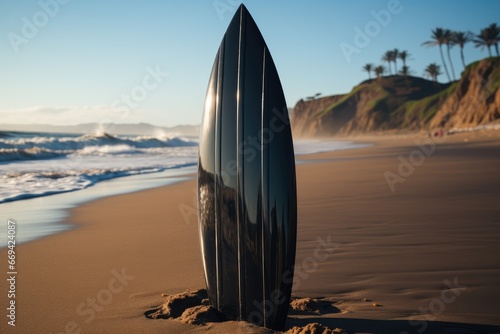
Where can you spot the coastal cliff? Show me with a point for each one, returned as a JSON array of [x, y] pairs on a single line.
[[405, 103], [476, 99]]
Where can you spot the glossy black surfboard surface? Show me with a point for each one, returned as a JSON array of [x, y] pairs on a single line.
[[247, 202]]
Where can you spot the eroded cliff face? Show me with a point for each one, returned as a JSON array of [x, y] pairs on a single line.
[[476, 99], [305, 119], [396, 103]]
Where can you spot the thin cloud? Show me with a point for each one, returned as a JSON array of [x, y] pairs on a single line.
[[66, 115]]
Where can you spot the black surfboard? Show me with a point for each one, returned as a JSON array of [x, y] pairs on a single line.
[[247, 201]]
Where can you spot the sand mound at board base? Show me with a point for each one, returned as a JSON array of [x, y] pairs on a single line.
[[193, 307], [314, 328], [311, 306]]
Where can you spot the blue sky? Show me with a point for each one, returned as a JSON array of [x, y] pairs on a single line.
[[79, 62]]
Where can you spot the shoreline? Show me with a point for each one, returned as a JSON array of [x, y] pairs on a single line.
[[49, 214], [44, 222], [394, 249]]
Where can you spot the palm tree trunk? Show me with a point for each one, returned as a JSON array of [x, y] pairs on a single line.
[[390, 68], [489, 50], [395, 67], [462, 55], [451, 63], [444, 63], [496, 48]]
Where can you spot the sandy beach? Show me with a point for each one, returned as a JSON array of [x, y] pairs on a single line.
[[408, 230]]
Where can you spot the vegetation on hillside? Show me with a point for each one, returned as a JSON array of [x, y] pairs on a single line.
[[486, 39], [405, 103]]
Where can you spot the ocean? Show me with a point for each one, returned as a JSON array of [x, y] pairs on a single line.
[[75, 168], [39, 164]]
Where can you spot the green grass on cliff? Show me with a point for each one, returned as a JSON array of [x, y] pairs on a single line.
[[390, 96], [339, 103], [420, 112]]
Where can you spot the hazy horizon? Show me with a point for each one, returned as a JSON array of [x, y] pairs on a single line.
[[146, 129], [71, 62]]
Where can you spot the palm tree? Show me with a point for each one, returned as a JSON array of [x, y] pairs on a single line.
[[461, 38], [433, 70], [482, 41], [395, 55], [368, 68], [403, 55], [495, 35], [405, 71], [439, 38], [379, 71], [389, 58], [449, 41], [487, 37]]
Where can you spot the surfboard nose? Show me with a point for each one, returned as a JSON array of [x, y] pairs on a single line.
[[243, 9]]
